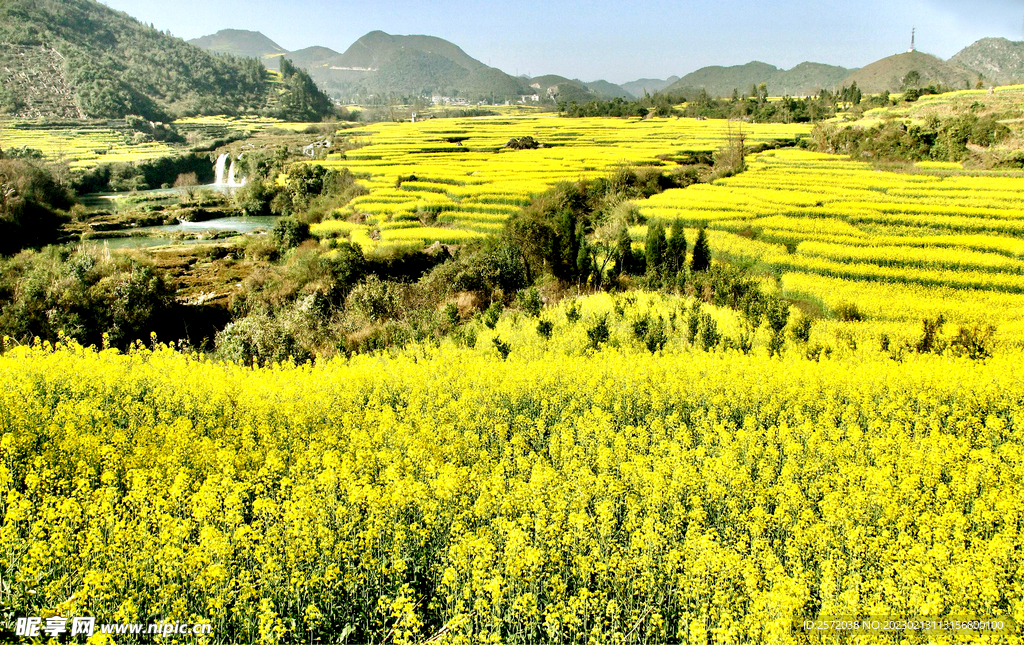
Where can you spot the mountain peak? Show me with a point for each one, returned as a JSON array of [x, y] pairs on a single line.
[[239, 42], [999, 60]]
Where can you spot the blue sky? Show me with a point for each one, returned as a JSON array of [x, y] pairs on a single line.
[[617, 41]]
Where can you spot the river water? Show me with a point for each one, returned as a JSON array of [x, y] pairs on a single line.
[[146, 236]]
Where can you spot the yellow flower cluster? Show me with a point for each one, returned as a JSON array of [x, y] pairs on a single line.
[[445, 494], [459, 170], [820, 220]]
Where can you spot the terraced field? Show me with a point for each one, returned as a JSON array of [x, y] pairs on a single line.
[[901, 246], [81, 146], [87, 144], [459, 171]]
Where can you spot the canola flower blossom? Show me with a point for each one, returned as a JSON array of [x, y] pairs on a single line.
[[562, 495]]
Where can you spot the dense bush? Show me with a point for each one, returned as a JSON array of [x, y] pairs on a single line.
[[31, 205], [81, 294]]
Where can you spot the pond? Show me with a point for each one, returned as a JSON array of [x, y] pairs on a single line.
[[146, 236]]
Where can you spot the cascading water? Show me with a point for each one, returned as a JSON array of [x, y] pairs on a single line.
[[228, 181], [219, 169]]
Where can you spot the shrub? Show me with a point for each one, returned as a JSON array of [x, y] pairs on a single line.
[[701, 260], [848, 312], [290, 232], [709, 336], [974, 341], [530, 301], [504, 349], [931, 340], [545, 328], [655, 338], [572, 312], [258, 340], [492, 315], [598, 333], [801, 330], [376, 300]]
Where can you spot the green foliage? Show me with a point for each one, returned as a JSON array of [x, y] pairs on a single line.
[[708, 337], [554, 233], [776, 314], [490, 268], [260, 339], [940, 139], [675, 250], [302, 99], [701, 253], [545, 328], [290, 232], [572, 312], [492, 315], [848, 312], [503, 348], [255, 197], [530, 301], [116, 66], [599, 332], [654, 251], [376, 300], [801, 330], [81, 294], [523, 143], [974, 341], [931, 340], [31, 202]]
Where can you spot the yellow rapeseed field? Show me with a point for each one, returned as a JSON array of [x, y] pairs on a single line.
[[901, 246], [442, 494], [459, 172]]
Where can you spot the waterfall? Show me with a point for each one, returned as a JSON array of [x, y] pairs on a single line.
[[231, 173], [221, 160]]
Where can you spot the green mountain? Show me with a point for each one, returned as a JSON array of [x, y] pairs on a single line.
[[888, 73], [79, 58], [560, 88], [402, 66], [242, 43], [998, 60], [804, 79], [721, 81], [605, 90], [649, 85]]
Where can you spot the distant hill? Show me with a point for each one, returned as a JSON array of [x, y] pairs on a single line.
[[561, 88], [888, 74], [79, 58], [241, 43], [403, 66], [804, 79], [650, 85], [605, 90], [999, 60], [721, 81]]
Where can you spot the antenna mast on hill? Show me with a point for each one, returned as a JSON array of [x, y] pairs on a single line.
[[913, 34]]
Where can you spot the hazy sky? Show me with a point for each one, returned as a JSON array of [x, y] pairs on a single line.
[[617, 41]]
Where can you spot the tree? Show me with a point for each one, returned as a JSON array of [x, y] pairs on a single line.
[[912, 79], [654, 249], [701, 253], [626, 261], [675, 251]]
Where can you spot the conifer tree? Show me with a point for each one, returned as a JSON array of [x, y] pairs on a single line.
[[675, 253], [701, 253], [655, 248]]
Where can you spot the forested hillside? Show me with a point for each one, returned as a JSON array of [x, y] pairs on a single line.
[[78, 58]]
